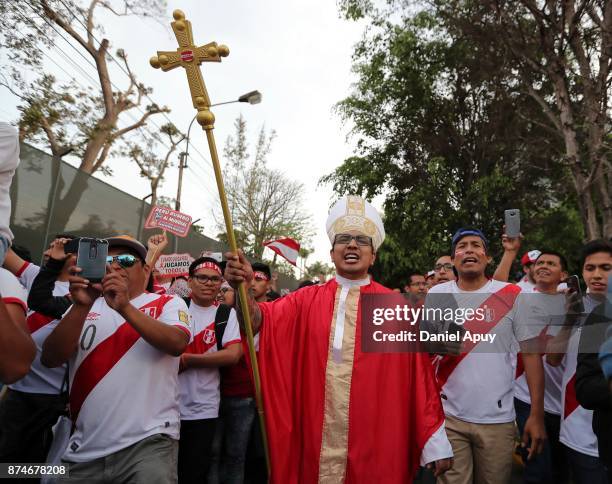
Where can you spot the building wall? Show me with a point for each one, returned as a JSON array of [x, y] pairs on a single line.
[[98, 209]]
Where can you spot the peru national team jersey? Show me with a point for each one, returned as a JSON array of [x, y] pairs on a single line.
[[477, 387], [41, 379], [199, 387], [550, 310], [11, 290], [526, 285], [27, 273], [122, 389], [576, 421]]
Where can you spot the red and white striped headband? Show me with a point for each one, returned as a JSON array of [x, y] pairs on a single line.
[[208, 265], [261, 275]]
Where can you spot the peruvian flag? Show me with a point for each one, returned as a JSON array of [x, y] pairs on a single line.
[[285, 247]]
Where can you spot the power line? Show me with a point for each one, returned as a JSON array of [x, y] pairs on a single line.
[[65, 56], [78, 68], [94, 82], [126, 72], [205, 167]]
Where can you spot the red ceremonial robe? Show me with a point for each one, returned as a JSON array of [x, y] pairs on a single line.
[[363, 420]]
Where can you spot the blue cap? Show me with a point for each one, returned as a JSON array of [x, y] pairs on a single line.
[[464, 232]]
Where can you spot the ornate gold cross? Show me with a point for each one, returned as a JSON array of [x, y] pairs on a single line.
[[189, 56]]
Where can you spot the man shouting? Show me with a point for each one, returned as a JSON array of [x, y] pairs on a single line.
[[335, 413]]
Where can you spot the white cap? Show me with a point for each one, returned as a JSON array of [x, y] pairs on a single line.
[[355, 213]]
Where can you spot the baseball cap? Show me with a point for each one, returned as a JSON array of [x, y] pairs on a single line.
[[130, 242], [430, 274], [530, 257], [464, 232]]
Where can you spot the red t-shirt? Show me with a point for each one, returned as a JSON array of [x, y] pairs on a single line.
[[236, 381]]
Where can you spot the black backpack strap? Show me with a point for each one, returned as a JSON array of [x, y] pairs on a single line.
[[65, 390], [221, 317]]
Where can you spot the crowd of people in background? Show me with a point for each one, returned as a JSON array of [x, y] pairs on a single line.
[[141, 378], [577, 398]]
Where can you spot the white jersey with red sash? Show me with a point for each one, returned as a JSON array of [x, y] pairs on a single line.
[[550, 310], [526, 285], [199, 393], [27, 273], [41, 379], [122, 389], [477, 386], [11, 291], [576, 421]]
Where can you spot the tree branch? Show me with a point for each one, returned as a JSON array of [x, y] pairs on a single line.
[[109, 7], [554, 119], [55, 17], [138, 124], [90, 23], [102, 157]]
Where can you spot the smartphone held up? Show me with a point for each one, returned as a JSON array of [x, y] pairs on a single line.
[[512, 219], [91, 258]]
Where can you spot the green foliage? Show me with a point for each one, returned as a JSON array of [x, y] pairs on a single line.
[[313, 271], [443, 133]]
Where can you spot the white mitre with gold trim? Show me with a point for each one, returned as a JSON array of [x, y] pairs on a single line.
[[355, 213]]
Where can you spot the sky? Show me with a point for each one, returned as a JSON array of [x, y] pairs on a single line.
[[297, 53]]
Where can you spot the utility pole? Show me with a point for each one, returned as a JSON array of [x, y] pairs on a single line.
[[177, 206]]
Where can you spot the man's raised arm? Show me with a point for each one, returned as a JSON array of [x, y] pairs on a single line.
[[237, 270]]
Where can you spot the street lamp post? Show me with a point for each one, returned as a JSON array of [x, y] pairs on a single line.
[[252, 97]]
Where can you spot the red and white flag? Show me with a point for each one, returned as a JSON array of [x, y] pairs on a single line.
[[285, 247]]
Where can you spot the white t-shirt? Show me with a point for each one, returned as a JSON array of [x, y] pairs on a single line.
[[11, 291], [199, 393], [576, 421], [548, 310], [480, 388], [27, 273], [9, 160], [122, 389], [41, 379], [526, 285]]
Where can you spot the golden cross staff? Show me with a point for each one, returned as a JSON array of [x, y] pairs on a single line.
[[189, 56]]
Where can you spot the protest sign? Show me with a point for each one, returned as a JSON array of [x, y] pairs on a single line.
[[167, 219], [174, 265]]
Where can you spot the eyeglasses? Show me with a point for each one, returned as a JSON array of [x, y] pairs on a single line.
[[345, 239], [124, 260], [448, 267], [202, 279]]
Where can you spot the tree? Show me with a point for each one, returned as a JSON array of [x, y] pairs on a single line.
[[264, 203], [152, 166], [319, 270], [445, 137], [564, 59], [555, 54], [88, 122]]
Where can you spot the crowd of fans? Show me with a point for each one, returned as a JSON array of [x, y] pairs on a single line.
[[149, 374], [577, 398]]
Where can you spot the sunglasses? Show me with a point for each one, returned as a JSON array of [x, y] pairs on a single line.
[[202, 279], [345, 239], [124, 260]]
